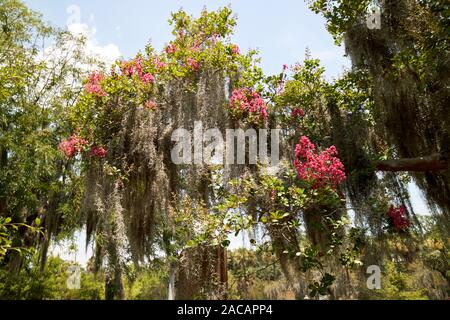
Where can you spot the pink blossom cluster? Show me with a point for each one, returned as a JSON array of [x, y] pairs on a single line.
[[127, 69], [321, 169], [130, 68], [72, 146], [151, 105], [93, 85], [159, 64], [75, 145], [245, 101], [147, 78], [298, 113], [192, 63], [171, 48], [235, 49], [399, 217], [98, 151], [195, 47]]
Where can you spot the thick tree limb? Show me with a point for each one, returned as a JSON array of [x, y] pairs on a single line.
[[434, 162]]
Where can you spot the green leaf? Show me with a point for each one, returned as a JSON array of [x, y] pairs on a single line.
[[225, 243]]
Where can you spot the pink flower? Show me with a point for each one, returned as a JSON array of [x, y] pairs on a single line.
[[399, 218], [138, 66], [171, 48], [245, 103], [151, 105], [78, 143], [127, 68], [134, 67], [98, 151], [193, 64], [147, 78], [130, 68], [93, 85], [235, 49], [67, 148], [95, 77], [298, 112], [285, 66], [159, 63], [72, 146], [95, 89], [320, 169]]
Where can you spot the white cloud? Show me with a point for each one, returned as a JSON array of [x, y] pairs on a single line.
[[106, 54], [88, 56]]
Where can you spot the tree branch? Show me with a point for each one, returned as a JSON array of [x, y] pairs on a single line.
[[434, 162]]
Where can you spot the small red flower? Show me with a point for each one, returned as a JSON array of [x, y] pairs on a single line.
[[151, 105], [147, 78], [72, 146], [235, 49], [93, 85], [159, 64], [67, 148], [127, 68], [98, 151], [298, 113], [171, 48], [399, 218], [193, 64]]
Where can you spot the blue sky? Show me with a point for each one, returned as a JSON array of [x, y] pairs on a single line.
[[281, 30]]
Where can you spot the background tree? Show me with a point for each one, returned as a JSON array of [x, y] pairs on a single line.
[[38, 81], [406, 60]]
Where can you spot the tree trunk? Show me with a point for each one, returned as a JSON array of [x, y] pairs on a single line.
[[3, 164], [114, 285], [434, 162]]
